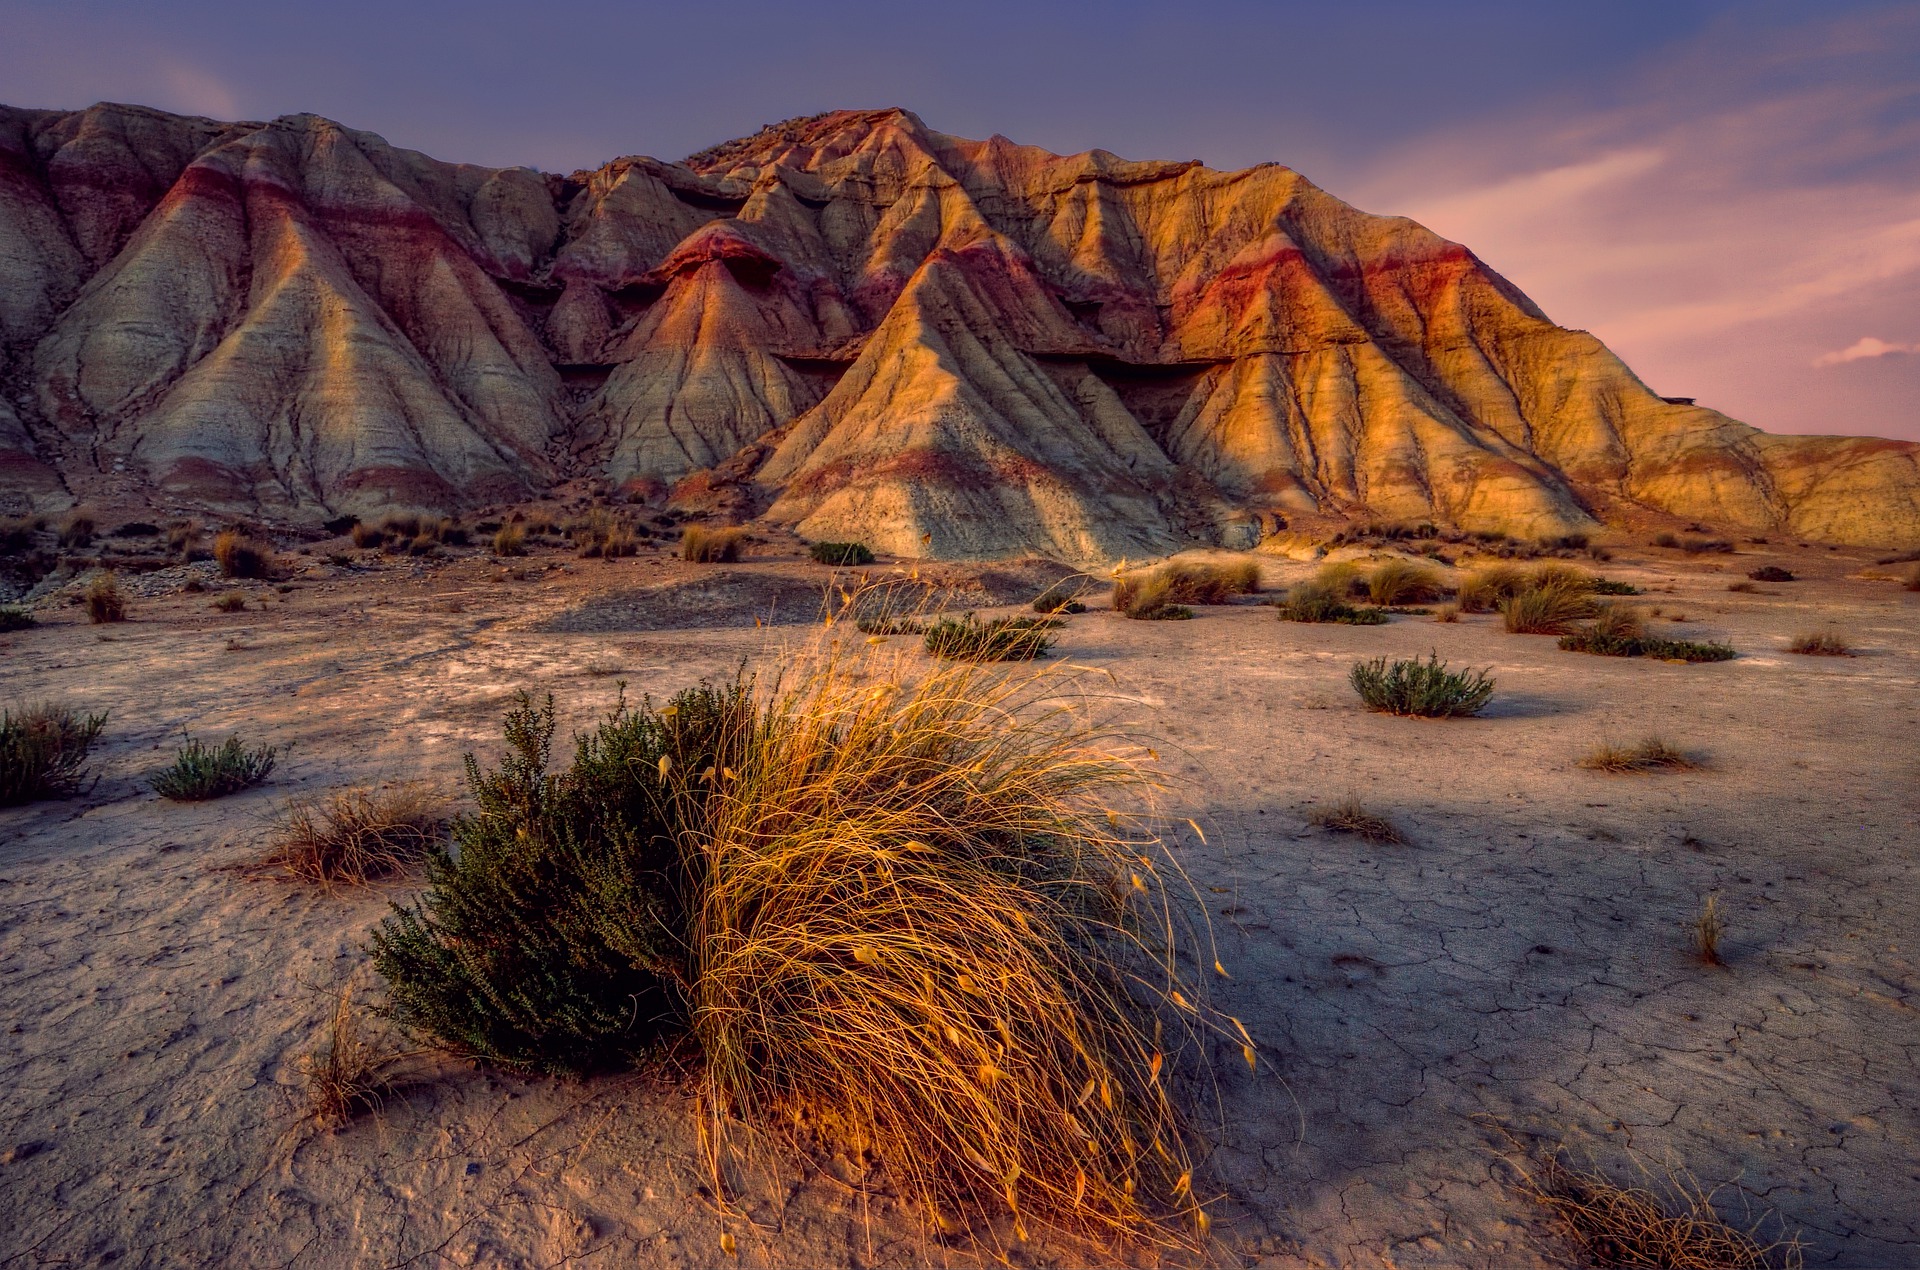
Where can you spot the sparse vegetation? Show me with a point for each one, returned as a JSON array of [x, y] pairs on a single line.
[[240, 556], [1485, 590], [347, 1074], [1646, 1229], [1610, 586], [1553, 598], [105, 599], [1403, 582], [1618, 630], [603, 536], [78, 531], [1447, 613], [16, 617], [366, 536], [1823, 643], [201, 771], [183, 538], [1423, 688], [1708, 930], [231, 602], [712, 546], [1349, 816], [353, 836], [1666, 539], [1748, 588], [1000, 639], [1702, 546], [1318, 602], [841, 553], [1770, 573], [1649, 755], [43, 751], [509, 540], [1179, 583], [1063, 596]]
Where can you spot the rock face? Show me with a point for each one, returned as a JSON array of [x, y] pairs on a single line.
[[875, 330]]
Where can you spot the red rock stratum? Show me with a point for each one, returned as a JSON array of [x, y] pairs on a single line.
[[867, 328]]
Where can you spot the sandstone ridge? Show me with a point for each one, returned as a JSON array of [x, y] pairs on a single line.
[[862, 327]]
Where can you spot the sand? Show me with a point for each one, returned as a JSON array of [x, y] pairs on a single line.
[[1522, 961]]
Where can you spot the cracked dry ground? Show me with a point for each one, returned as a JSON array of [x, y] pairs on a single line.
[[1523, 959]]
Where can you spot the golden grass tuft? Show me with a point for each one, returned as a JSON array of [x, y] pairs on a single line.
[[1708, 929], [348, 1073], [1349, 816], [1404, 582], [1650, 755], [1824, 643], [509, 540], [1447, 613], [1549, 605], [357, 835], [700, 545], [241, 556], [1174, 584], [1673, 1227], [1484, 590], [929, 924], [106, 599]]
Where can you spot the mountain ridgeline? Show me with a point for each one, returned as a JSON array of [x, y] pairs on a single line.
[[849, 324]]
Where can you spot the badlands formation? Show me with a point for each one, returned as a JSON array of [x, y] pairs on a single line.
[[849, 325]]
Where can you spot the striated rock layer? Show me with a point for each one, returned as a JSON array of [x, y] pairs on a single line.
[[862, 327]]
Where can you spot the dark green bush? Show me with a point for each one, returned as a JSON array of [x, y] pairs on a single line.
[[1617, 631], [201, 771], [16, 617], [840, 553], [1001, 639], [1063, 596], [43, 751], [1425, 688], [1318, 602], [1607, 586], [554, 939], [1770, 573]]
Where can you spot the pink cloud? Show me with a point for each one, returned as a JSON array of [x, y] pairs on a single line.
[[1864, 347]]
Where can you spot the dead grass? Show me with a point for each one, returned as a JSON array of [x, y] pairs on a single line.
[[933, 924], [1708, 929], [106, 600], [1178, 583], [240, 556], [1824, 643], [1403, 582], [231, 602], [1484, 590], [509, 540], [1447, 613], [1349, 816], [357, 835], [1549, 605], [1668, 1224], [348, 1074], [700, 545], [1651, 754]]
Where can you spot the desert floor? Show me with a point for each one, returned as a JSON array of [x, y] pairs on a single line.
[[1523, 961]]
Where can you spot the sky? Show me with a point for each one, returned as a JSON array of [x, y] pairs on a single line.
[[1728, 194]]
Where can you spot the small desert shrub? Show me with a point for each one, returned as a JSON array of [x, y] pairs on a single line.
[[106, 600], [885, 623], [1770, 573], [240, 556], [1484, 590], [1617, 630], [1708, 930], [43, 751], [1403, 582], [183, 536], [355, 836], [1348, 816], [1666, 539], [509, 540], [1424, 688], [231, 602], [201, 771], [1447, 613], [78, 531], [1063, 596], [450, 532], [1686, 650], [1000, 639], [1649, 755], [1703, 546], [1180, 583], [1316, 602], [841, 553], [366, 536], [16, 617], [401, 527], [711, 546], [423, 545], [1674, 1228], [1609, 586], [1828, 643]]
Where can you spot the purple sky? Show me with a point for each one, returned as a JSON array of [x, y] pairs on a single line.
[[1727, 193]]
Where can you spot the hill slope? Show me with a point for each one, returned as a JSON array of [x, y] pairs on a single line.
[[942, 346]]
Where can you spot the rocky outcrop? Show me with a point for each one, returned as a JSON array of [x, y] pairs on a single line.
[[852, 323]]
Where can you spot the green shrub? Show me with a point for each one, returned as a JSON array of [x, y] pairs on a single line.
[[1687, 650], [1001, 639], [1316, 602], [840, 553], [1618, 631], [201, 771], [16, 617], [1063, 596], [43, 751], [1424, 688], [556, 938], [1607, 586], [105, 600]]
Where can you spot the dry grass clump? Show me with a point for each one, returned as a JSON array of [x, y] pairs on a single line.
[[1404, 582], [1826, 643], [1708, 929], [1675, 1227], [711, 546], [509, 540], [1484, 590], [78, 531], [43, 751], [1770, 573], [1553, 599], [1182, 582], [240, 556], [1349, 816], [1447, 613], [348, 1074], [365, 536], [1650, 755], [231, 602], [353, 836], [922, 927], [1319, 601], [106, 600], [602, 536]]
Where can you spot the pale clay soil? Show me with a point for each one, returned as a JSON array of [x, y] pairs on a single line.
[[1522, 961]]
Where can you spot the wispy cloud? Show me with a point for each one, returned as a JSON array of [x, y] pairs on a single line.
[[1867, 346]]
